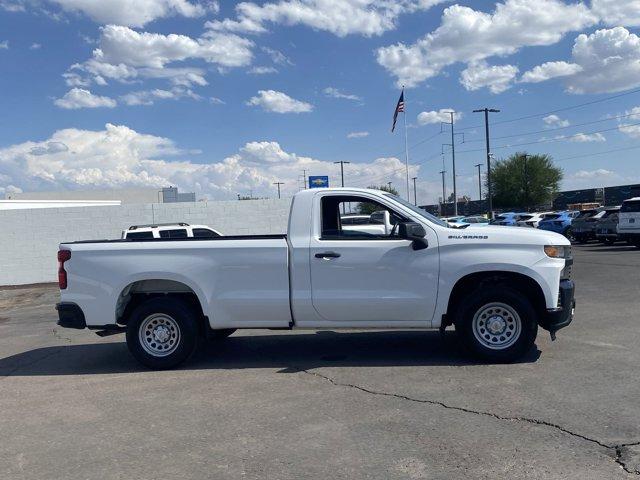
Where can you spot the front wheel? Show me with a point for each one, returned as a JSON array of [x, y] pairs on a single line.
[[162, 333], [497, 324], [568, 233]]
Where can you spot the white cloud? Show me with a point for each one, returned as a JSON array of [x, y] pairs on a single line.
[[550, 70], [340, 17], [358, 134], [118, 156], [555, 121], [586, 138], [4, 45], [262, 70], [35, 46], [277, 56], [335, 93], [618, 12], [124, 54], [629, 127], [80, 98], [132, 13], [148, 97], [216, 101], [607, 61], [278, 102], [497, 78], [467, 35], [442, 115], [600, 172]]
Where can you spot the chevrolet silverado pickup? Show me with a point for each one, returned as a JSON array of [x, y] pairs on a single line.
[[495, 285]]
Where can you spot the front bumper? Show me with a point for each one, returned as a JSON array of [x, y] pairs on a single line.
[[556, 318], [70, 315]]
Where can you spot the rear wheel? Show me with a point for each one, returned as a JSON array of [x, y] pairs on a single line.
[[569, 234], [497, 323], [162, 332], [608, 241]]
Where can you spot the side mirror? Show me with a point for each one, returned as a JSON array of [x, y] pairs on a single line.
[[414, 232]]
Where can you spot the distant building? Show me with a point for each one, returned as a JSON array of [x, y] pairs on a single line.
[[122, 195]]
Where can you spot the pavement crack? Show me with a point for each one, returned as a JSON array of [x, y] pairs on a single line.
[[618, 449]]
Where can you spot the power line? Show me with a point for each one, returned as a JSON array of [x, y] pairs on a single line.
[[557, 110], [553, 129], [596, 153]]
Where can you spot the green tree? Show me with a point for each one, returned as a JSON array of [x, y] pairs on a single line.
[[369, 208], [524, 181]]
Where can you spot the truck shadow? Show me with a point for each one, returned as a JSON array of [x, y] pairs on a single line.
[[289, 352]]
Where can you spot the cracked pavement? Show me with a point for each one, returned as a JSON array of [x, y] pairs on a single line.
[[323, 404]]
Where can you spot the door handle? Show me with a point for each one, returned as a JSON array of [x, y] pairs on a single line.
[[327, 255]]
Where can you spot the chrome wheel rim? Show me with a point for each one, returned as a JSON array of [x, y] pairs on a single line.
[[497, 326], [159, 335]]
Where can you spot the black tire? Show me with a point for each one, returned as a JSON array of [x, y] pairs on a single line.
[[176, 319], [481, 300], [608, 241], [220, 334]]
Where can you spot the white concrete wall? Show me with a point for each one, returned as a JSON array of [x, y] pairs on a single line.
[[31, 237]]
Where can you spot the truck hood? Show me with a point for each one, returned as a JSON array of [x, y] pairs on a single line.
[[506, 235]]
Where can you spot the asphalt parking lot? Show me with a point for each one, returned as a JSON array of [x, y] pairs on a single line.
[[321, 404]]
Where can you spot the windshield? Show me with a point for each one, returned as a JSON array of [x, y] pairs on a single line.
[[418, 211]]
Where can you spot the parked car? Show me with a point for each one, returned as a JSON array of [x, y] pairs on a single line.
[[454, 221], [378, 223], [584, 224], [559, 222], [169, 230], [629, 221], [606, 227], [507, 218], [531, 220], [476, 221], [495, 285]]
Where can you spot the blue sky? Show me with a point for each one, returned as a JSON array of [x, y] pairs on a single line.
[[223, 98]]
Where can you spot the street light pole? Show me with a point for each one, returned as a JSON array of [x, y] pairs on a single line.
[[453, 157], [341, 170], [444, 199], [487, 111], [278, 184], [415, 191], [479, 165]]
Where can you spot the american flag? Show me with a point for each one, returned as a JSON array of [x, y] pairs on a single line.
[[399, 108]]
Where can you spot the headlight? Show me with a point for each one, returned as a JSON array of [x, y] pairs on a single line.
[[557, 251]]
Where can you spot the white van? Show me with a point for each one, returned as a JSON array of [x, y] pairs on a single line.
[[629, 221]]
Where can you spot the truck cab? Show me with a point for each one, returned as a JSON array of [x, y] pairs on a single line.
[[629, 221]]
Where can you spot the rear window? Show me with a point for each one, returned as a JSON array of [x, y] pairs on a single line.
[[586, 213], [204, 233], [551, 216], [526, 217], [178, 233], [631, 206], [147, 234]]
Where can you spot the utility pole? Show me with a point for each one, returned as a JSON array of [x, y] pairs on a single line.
[[304, 177], [342, 163], [415, 191], [278, 184], [487, 111], [453, 158], [479, 165], [444, 192]]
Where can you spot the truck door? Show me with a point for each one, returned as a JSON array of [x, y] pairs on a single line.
[[359, 277]]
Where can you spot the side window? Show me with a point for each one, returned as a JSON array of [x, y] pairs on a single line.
[[178, 233], [139, 235], [204, 233], [380, 225]]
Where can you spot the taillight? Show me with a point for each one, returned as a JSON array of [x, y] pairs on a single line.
[[63, 256]]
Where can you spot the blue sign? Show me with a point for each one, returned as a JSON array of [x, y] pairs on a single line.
[[321, 181]]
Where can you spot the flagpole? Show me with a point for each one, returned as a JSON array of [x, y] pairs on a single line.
[[406, 146]]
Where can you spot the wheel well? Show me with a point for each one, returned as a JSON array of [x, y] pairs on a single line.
[[517, 281], [137, 292]]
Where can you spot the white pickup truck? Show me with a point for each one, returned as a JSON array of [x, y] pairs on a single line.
[[496, 285]]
